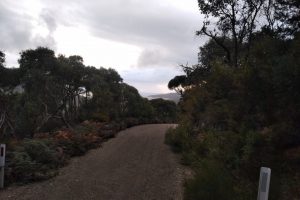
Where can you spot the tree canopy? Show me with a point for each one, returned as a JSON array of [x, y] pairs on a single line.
[[48, 91], [240, 104]]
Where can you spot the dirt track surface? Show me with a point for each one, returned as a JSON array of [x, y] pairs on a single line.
[[135, 165]]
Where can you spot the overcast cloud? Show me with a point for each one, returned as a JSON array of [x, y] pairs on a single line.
[[157, 35], [162, 30], [15, 29]]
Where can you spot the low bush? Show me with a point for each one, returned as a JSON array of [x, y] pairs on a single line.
[[210, 182], [101, 117], [40, 152], [179, 139], [20, 167], [189, 158], [33, 160], [131, 121]]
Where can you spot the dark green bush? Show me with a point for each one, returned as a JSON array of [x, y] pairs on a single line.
[[211, 182], [52, 125], [32, 161], [39, 151], [189, 158], [131, 121], [20, 167], [101, 117], [179, 139], [73, 147], [83, 129]]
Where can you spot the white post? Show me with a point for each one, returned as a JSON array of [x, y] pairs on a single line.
[[264, 183], [2, 164]]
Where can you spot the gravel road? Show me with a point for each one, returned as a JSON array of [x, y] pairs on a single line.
[[135, 165]]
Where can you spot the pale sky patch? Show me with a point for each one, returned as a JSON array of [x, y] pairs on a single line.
[[145, 41], [95, 51]]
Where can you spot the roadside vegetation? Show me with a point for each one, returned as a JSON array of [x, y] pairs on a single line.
[[240, 106], [55, 107]]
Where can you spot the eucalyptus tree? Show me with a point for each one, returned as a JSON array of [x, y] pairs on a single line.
[[178, 84], [8, 81], [236, 20], [288, 13]]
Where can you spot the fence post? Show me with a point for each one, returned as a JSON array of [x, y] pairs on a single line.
[[264, 183], [2, 164]]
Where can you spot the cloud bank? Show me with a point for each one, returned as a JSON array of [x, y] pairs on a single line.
[[162, 30]]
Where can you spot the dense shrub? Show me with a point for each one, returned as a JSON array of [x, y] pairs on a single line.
[[178, 138], [40, 152], [244, 116], [33, 160], [131, 121], [20, 167], [38, 159], [210, 183]]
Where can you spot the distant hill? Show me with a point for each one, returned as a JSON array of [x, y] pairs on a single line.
[[169, 96]]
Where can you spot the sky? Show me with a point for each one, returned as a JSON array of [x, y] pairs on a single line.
[[145, 41]]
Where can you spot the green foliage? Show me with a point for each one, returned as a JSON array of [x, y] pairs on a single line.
[[101, 117], [211, 182], [2, 59], [133, 105], [40, 152], [32, 161], [165, 111], [79, 143], [178, 83], [47, 92], [39, 159], [178, 138], [290, 20], [74, 147], [22, 166], [26, 119], [241, 116]]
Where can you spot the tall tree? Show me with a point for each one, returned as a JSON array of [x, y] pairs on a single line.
[[44, 96], [288, 13], [178, 84], [2, 59], [9, 80], [234, 19]]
